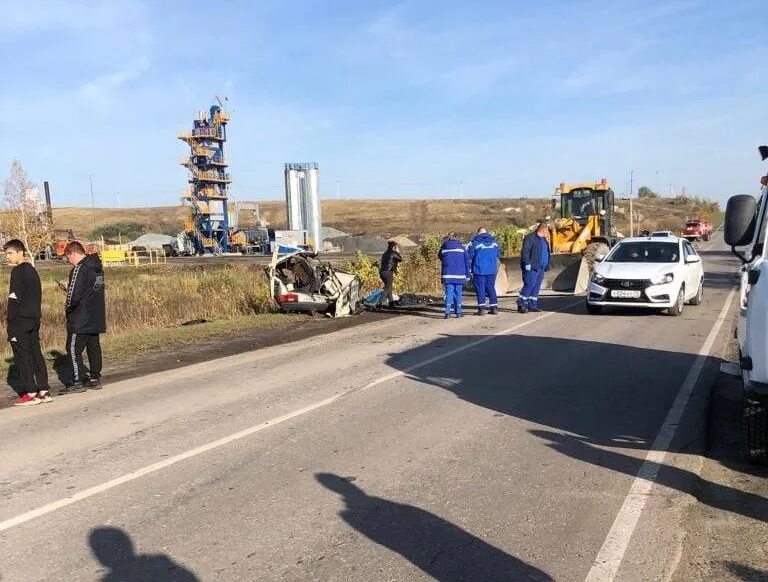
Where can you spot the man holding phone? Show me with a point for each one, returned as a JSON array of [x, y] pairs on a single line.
[[86, 319]]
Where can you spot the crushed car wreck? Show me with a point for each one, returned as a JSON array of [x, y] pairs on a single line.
[[301, 282]]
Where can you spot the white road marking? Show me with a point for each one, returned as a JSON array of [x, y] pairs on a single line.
[[611, 554], [154, 467]]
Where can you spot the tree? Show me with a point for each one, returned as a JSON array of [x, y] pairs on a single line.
[[24, 214], [646, 192]]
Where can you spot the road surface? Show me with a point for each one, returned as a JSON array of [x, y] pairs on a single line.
[[494, 448]]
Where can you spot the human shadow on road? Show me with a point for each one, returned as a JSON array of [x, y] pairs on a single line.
[[437, 547], [587, 395], [747, 573], [114, 549]]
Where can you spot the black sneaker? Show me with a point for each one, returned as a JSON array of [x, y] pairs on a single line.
[[446, 316], [72, 389], [522, 309], [93, 383], [534, 309], [480, 312], [493, 311]]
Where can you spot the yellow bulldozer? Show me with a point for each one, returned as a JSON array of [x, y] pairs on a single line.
[[582, 229]]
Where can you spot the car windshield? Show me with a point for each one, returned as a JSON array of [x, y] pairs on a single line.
[[691, 224], [645, 252]]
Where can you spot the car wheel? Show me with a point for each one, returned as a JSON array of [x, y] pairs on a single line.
[[594, 309], [755, 430], [677, 308], [699, 294]]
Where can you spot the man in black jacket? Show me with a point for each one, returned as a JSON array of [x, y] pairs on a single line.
[[387, 269], [24, 299], [86, 319]]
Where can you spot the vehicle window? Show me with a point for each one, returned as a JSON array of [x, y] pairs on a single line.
[[691, 224], [645, 252], [688, 249]]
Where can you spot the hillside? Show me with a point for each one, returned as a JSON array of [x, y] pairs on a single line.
[[393, 217]]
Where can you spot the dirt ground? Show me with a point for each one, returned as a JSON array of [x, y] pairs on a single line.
[[727, 530]]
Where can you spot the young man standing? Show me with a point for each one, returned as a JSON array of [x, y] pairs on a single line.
[[454, 272], [484, 255], [24, 298], [86, 319], [534, 262]]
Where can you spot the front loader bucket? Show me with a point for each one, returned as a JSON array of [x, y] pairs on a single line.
[[566, 273]]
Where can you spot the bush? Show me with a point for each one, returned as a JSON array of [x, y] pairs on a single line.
[[510, 240], [128, 230]]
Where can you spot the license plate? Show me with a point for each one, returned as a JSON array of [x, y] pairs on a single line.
[[621, 294]]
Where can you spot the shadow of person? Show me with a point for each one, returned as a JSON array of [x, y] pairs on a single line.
[[60, 364], [12, 378], [114, 549], [437, 547], [747, 573]]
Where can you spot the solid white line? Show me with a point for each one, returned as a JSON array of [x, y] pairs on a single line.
[[95, 490], [611, 554]]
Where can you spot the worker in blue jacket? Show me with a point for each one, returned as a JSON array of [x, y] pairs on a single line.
[[484, 255], [454, 272], [534, 262]]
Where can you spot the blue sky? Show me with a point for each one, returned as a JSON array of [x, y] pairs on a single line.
[[405, 99]]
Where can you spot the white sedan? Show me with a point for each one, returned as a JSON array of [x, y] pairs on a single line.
[[659, 273]]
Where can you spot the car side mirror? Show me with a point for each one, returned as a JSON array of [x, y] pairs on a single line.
[[600, 258], [692, 259]]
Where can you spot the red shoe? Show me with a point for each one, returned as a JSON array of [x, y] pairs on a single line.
[[27, 400]]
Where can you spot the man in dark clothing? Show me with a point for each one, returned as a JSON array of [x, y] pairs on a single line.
[[86, 319], [534, 262], [24, 315], [387, 269]]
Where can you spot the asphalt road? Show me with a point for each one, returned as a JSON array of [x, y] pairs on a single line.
[[494, 448]]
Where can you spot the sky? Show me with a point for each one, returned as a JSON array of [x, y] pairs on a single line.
[[415, 99]]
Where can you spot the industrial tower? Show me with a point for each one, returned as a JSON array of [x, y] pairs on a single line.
[[208, 226]]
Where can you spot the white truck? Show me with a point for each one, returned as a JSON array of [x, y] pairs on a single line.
[[746, 225]]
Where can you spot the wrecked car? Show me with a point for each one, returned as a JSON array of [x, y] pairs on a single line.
[[300, 282]]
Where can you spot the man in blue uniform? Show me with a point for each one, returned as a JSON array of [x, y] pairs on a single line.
[[534, 262], [484, 255], [454, 272]]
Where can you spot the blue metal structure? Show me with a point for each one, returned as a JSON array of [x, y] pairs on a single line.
[[208, 195]]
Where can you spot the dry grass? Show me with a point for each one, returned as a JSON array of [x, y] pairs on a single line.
[[144, 300], [392, 217]]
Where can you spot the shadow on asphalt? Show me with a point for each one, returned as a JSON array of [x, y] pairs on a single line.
[[601, 395], [437, 547], [747, 573], [115, 550]]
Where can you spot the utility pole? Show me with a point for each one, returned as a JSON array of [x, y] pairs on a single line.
[[631, 218], [631, 184], [93, 204]]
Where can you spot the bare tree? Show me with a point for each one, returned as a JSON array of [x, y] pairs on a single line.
[[24, 215]]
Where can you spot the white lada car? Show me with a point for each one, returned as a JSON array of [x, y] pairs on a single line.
[[651, 272]]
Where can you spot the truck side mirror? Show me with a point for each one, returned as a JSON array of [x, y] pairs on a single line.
[[739, 225], [740, 215]]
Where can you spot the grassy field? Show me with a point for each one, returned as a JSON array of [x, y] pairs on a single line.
[[146, 306], [393, 217]]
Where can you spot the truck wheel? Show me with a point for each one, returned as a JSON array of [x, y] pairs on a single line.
[[755, 430], [677, 308], [591, 252]]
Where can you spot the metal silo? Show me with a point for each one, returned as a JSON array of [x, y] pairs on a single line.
[[302, 197]]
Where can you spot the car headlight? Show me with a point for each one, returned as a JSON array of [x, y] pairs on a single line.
[[662, 279], [598, 278]]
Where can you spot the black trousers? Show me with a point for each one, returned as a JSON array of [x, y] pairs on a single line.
[[387, 277], [28, 357], [77, 371]]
